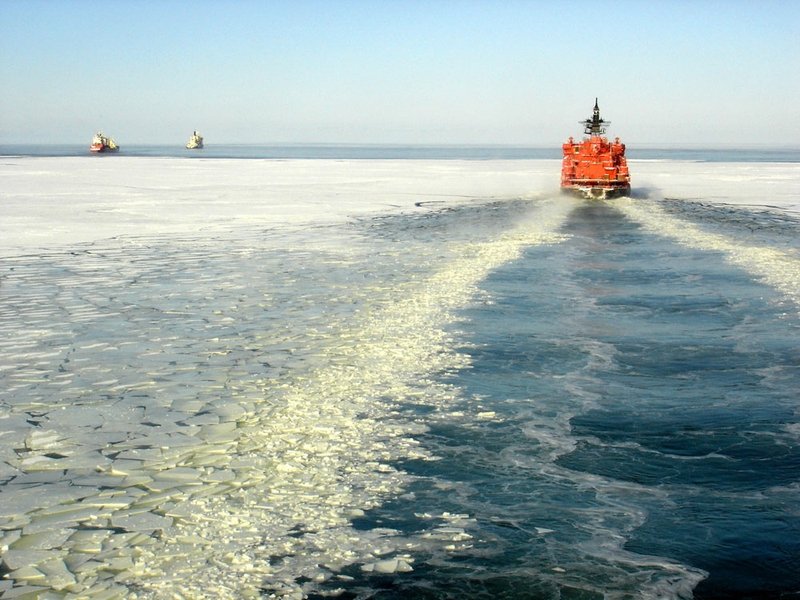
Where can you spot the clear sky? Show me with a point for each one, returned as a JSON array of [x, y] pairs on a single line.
[[523, 72]]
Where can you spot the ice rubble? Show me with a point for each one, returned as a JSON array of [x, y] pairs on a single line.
[[169, 427]]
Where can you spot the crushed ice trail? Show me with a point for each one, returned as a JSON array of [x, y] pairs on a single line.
[[777, 268], [204, 417]]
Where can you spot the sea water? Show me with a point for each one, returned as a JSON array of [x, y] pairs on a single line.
[[514, 398], [757, 154]]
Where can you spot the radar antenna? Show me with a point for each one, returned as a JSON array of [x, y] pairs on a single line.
[[595, 125]]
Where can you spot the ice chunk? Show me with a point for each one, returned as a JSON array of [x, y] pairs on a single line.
[[42, 440], [182, 475], [41, 463], [17, 559], [142, 454], [391, 565], [544, 530], [43, 540], [120, 563], [143, 521], [28, 574], [89, 541], [7, 538], [57, 574], [218, 432]]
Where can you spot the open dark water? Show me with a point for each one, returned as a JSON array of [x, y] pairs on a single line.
[[645, 431]]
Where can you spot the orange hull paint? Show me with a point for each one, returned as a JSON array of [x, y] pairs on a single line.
[[595, 167]]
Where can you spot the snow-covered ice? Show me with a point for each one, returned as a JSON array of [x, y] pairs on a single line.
[[51, 201]]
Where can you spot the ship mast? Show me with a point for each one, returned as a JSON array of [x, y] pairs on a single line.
[[595, 125]]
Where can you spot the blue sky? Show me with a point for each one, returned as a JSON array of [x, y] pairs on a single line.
[[520, 72]]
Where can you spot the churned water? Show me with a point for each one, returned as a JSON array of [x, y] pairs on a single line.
[[627, 423], [539, 398]]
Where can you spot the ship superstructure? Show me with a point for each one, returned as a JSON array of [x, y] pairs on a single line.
[[103, 143], [595, 167], [195, 142]]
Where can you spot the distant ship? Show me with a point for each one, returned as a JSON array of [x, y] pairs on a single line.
[[595, 168], [101, 143], [195, 142]]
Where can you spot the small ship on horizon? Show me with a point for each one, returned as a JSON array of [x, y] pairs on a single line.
[[195, 142], [103, 143]]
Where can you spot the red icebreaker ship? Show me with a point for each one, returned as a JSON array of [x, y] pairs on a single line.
[[595, 167]]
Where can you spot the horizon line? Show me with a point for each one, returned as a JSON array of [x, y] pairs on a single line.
[[630, 146]]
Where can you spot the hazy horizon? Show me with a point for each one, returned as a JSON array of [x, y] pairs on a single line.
[[519, 73]]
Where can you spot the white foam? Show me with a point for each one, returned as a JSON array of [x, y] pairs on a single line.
[[777, 268]]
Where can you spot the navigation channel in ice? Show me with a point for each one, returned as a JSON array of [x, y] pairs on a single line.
[[775, 267], [208, 415]]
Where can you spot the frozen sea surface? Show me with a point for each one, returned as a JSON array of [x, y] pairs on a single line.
[[393, 379]]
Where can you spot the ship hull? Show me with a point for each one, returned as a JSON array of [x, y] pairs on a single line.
[[596, 192], [102, 149]]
